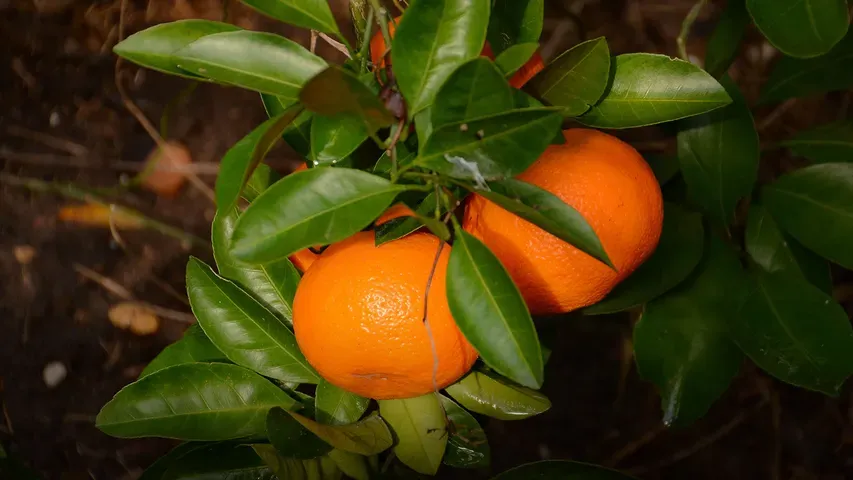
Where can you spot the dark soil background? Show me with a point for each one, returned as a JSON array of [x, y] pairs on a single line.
[[62, 119]]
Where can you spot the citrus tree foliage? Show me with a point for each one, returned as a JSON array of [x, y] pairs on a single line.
[[724, 285]]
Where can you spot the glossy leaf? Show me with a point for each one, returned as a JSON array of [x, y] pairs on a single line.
[[491, 148], [261, 179], [400, 227], [665, 167], [476, 89], [514, 57], [677, 254], [577, 79], [647, 89], [311, 14], [795, 332], [336, 406], [210, 461], [155, 47], [547, 211], [298, 133], [335, 92], [291, 439], [351, 464], [682, 342], [273, 284], [774, 251], [490, 312], [240, 161], [419, 427], [719, 154], [815, 206], [795, 77], [494, 397], [194, 401], [366, 437], [514, 22], [824, 144], [725, 41], [246, 332], [323, 468], [334, 139], [257, 61], [432, 39], [467, 445], [801, 28], [193, 347], [317, 206], [561, 470]]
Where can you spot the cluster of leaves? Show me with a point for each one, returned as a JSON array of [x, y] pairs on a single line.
[[235, 386]]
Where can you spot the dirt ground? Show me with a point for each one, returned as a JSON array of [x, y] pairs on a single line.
[[62, 119]]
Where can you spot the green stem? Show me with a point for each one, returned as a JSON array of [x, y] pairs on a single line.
[[364, 53], [686, 26], [77, 193]]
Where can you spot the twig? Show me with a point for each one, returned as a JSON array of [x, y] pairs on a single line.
[[364, 51], [635, 445], [776, 114], [143, 120], [49, 140], [426, 319], [312, 45], [392, 148], [335, 44], [399, 6], [76, 193], [51, 160], [686, 26]]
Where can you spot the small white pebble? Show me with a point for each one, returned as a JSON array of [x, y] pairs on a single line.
[[54, 373], [55, 119]]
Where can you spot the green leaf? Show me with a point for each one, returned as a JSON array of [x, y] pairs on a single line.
[[155, 47], [491, 396], [647, 89], [725, 41], [336, 406], [801, 28], [510, 143], [677, 254], [514, 57], [795, 77], [400, 227], [209, 461], [824, 144], [317, 206], [273, 284], [193, 347], [515, 22], [298, 133], [467, 445], [323, 468], [291, 439], [432, 39], [420, 430], [257, 61], [547, 211], [795, 332], [577, 79], [240, 161], [719, 154], [405, 156], [476, 89], [310, 14], [682, 342], [194, 401], [261, 179], [561, 470], [353, 465], [774, 251], [665, 167], [366, 437], [334, 139], [335, 92], [490, 312], [815, 206], [246, 332]]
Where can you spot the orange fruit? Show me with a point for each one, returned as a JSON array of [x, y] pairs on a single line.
[[395, 211], [167, 174], [358, 316], [525, 73], [611, 185]]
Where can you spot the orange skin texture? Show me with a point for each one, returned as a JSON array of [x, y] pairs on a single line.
[[395, 211], [519, 78], [358, 318], [611, 185]]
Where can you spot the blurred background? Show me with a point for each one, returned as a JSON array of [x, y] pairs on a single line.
[[89, 295]]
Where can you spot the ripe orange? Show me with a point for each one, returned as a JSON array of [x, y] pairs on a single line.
[[358, 318], [522, 76], [611, 185]]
